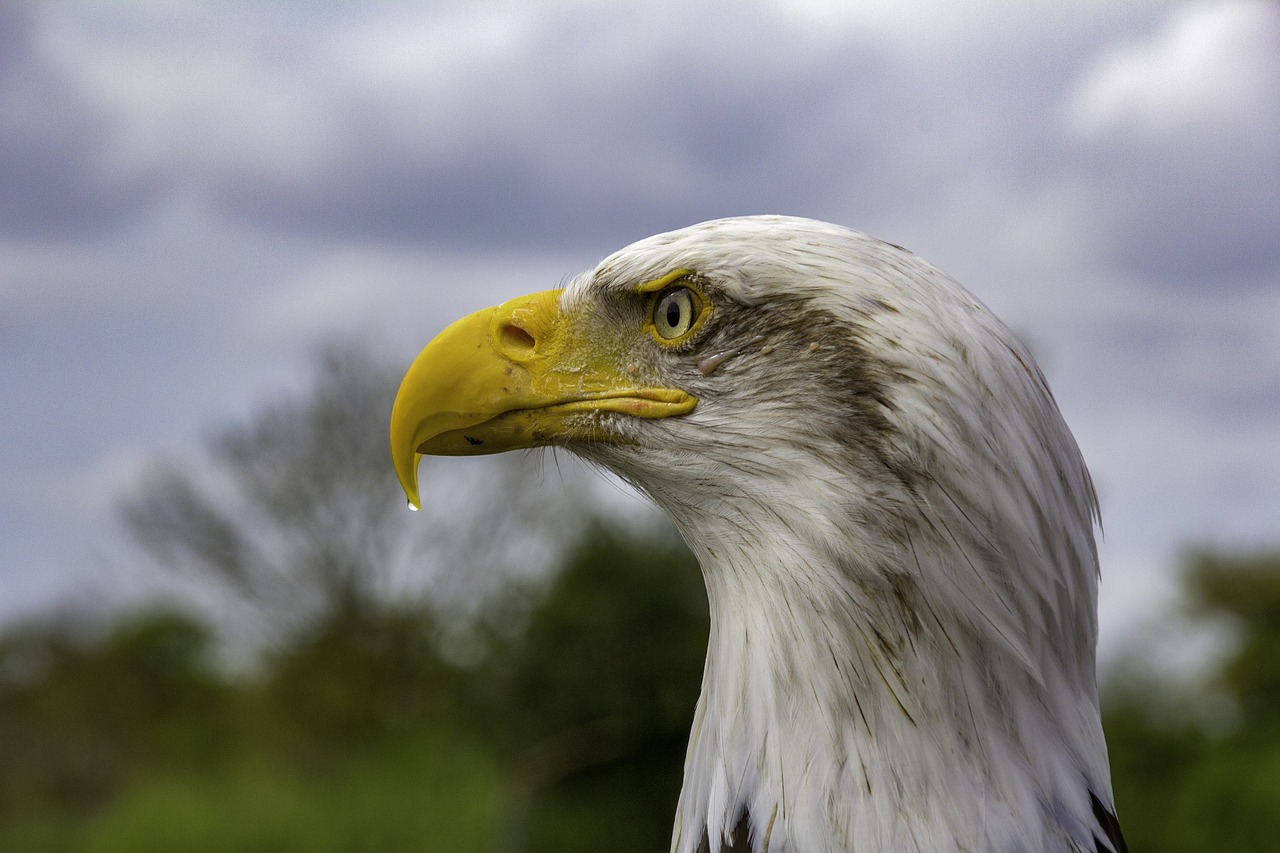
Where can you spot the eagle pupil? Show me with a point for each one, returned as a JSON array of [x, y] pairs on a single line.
[[673, 314]]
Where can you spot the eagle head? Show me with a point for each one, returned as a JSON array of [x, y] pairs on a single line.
[[894, 525]]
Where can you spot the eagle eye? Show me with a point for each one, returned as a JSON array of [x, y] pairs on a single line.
[[674, 312]]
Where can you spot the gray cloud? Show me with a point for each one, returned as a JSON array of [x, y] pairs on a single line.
[[1178, 138], [576, 126], [563, 139], [569, 126], [58, 173]]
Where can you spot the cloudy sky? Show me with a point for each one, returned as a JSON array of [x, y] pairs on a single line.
[[193, 194]]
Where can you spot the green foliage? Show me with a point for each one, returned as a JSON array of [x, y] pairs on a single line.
[[430, 793], [76, 718], [1180, 787], [362, 676], [1245, 590], [592, 701], [360, 735]]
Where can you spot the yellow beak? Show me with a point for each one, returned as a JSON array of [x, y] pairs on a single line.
[[509, 377]]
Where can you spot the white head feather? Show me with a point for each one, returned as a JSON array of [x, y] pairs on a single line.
[[896, 532]]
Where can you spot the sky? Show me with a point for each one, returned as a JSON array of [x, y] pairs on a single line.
[[194, 194]]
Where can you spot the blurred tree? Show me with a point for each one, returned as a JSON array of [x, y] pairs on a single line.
[[295, 511], [297, 514], [357, 679], [1245, 590], [591, 702], [1188, 779], [79, 714], [126, 741]]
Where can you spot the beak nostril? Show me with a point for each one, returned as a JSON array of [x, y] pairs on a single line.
[[517, 339]]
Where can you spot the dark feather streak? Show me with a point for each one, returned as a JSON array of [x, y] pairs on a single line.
[[1114, 841], [739, 841]]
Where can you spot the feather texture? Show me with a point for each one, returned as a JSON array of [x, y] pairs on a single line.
[[895, 528]]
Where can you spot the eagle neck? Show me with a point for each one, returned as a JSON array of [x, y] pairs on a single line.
[[825, 672]]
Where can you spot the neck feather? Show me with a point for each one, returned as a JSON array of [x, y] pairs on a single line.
[[844, 699]]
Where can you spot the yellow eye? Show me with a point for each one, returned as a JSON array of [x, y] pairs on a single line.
[[675, 312]]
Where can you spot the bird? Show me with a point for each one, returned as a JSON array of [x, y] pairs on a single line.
[[894, 524]]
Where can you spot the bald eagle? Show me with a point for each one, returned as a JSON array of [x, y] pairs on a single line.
[[894, 524]]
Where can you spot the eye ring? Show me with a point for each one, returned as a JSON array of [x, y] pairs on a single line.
[[675, 312]]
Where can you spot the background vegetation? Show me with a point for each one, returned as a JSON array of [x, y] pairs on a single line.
[[312, 701]]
